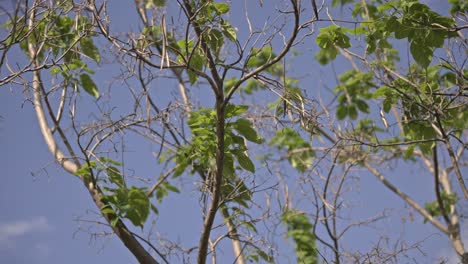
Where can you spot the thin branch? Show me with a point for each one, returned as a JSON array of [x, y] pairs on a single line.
[[281, 55], [160, 181], [406, 198], [234, 235], [452, 155], [437, 188]]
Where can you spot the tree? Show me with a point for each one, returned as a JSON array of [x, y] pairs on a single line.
[[232, 116]]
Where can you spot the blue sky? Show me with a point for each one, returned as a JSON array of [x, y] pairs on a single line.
[[43, 208]]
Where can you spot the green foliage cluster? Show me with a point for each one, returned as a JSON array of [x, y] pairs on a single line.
[[300, 153], [329, 40], [425, 29], [301, 231], [448, 200], [121, 201], [68, 39], [353, 93], [200, 154]]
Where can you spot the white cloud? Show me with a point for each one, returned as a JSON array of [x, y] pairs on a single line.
[[10, 231]]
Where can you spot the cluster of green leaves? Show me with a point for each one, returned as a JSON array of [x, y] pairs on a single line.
[[163, 190], [214, 30], [421, 105], [425, 29], [260, 57], [366, 128], [153, 36], [447, 200], [193, 56], [353, 93], [201, 152], [70, 42], [258, 255], [300, 230], [423, 97], [200, 155], [329, 39], [122, 202], [458, 6], [375, 31], [388, 95], [210, 18], [300, 154], [127, 203]]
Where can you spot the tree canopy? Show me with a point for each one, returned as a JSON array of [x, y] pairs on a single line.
[[273, 115]]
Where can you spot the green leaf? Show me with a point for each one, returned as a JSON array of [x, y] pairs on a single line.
[[229, 83], [197, 61], [215, 40], [260, 57], [362, 106], [434, 208], [245, 162], [418, 130], [300, 154], [229, 31], [154, 209], [221, 8], [251, 86], [85, 170], [108, 210], [387, 6], [151, 3], [138, 207], [393, 25], [182, 164], [161, 193], [244, 127], [159, 2], [422, 53], [340, 2], [88, 85], [228, 166], [115, 221], [409, 152], [235, 110], [328, 40], [341, 112], [115, 176], [402, 33], [300, 230], [110, 161], [458, 6], [89, 49], [55, 70], [265, 256], [382, 92], [171, 188], [352, 112]]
